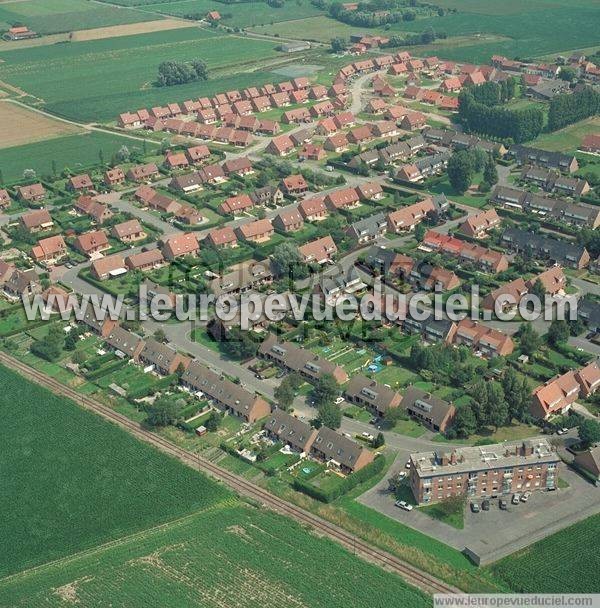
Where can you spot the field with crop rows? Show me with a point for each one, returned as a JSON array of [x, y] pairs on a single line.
[[534, 28], [228, 557], [73, 151], [76, 481], [54, 16], [242, 14], [566, 562], [97, 80]]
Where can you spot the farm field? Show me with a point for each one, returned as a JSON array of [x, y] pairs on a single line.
[[569, 138], [19, 126], [73, 151], [566, 562], [77, 480], [55, 16], [97, 80], [228, 556], [544, 26], [242, 14]]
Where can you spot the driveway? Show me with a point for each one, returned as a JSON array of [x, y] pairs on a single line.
[[493, 534]]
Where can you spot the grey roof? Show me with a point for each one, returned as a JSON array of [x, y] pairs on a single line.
[[483, 458], [369, 226], [542, 246], [556, 160], [380, 258], [337, 447], [125, 341], [218, 387], [158, 354], [289, 429], [242, 278], [427, 404], [379, 396]]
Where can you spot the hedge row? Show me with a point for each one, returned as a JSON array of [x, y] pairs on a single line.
[[147, 390], [348, 484]]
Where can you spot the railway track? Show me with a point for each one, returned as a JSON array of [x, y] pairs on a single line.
[[410, 574]]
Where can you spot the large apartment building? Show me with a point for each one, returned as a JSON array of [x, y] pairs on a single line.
[[484, 471]]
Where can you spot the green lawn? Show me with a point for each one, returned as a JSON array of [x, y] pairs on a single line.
[[569, 138], [97, 80], [450, 512], [410, 428], [57, 16], [76, 481]]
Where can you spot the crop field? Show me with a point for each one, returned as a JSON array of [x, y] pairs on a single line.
[[535, 28], [53, 16], [243, 15], [76, 481], [99, 79], [19, 126], [566, 562], [229, 557], [73, 151]]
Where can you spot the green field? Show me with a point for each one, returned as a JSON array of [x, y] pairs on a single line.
[[537, 27], [89, 515], [230, 556], [243, 15], [72, 151], [99, 79], [57, 16], [566, 562], [569, 138], [76, 481]]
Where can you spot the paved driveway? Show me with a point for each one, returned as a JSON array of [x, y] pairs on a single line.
[[493, 534]]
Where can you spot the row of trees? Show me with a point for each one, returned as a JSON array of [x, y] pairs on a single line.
[[180, 72], [572, 107], [517, 125], [494, 93]]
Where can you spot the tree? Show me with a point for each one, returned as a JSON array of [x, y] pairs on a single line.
[[517, 394], [159, 335], [71, 340], [490, 172], [78, 357], [378, 441], [330, 415], [284, 394], [325, 390], [50, 347], [558, 332], [589, 432], [123, 154], [162, 412], [420, 232], [29, 174], [288, 263], [529, 339], [539, 290], [567, 73], [460, 171], [338, 45], [465, 422], [498, 414], [213, 421]]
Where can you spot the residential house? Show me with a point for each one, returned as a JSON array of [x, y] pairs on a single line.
[[92, 244], [346, 198], [108, 267], [258, 231], [406, 218], [320, 250], [180, 245], [294, 185], [80, 183], [49, 250], [161, 358], [32, 193], [114, 177], [431, 411], [130, 231], [236, 204], [290, 431], [36, 221], [339, 451], [377, 398], [368, 229], [288, 221], [143, 173], [145, 260], [313, 209], [222, 238], [477, 226]]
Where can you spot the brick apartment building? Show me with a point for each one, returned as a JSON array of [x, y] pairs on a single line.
[[484, 471]]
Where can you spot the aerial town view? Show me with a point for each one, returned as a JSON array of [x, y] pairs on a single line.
[[299, 303]]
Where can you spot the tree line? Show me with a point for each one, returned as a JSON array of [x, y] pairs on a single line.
[[518, 125], [567, 109]]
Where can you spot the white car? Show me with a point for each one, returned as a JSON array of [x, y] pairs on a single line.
[[402, 475], [525, 496], [407, 465], [367, 435], [339, 400], [402, 504]]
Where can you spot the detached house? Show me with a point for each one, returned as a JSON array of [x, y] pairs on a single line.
[[477, 225], [49, 250], [180, 245], [288, 221], [294, 185], [223, 238], [320, 251], [92, 243], [313, 209], [80, 183], [129, 231], [36, 221], [256, 232], [32, 193]]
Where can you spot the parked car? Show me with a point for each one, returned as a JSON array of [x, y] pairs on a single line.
[[402, 475], [525, 496], [503, 504], [475, 507], [403, 505], [407, 465], [367, 436], [516, 499], [485, 505], [339, 400]]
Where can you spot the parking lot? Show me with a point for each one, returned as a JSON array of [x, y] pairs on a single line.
[[490, 535]]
